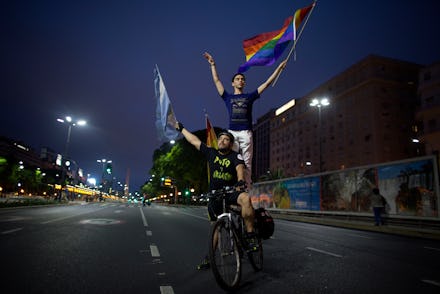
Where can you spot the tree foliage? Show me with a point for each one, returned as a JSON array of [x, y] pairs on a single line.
[[183, 163]]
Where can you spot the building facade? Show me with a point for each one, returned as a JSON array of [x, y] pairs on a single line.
[[427, 129], [369, 120]]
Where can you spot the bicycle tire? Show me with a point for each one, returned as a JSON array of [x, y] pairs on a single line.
[[224, 255], [256, 257]]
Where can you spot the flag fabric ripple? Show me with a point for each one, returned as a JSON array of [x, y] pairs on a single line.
[[165, 117], [264, 49]]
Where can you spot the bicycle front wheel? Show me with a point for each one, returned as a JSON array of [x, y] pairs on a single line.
[[224, 255]]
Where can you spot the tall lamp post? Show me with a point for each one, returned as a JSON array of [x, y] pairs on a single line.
[[319, 103], [104, 163], [70, 123]]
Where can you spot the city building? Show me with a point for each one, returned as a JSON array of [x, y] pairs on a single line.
[[368, 120], [261, 136], [427, 128]]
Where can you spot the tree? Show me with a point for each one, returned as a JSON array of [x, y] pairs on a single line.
[[181, 162]]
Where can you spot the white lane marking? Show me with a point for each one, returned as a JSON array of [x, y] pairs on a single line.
[[324, 252], [154, 251], [432, 248], [359, 236], [435, 283], [193, 215], [166, 290], [70, 216], [11, 231], [144, 220], [149, 233]]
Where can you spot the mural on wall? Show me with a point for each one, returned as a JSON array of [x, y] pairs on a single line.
[[348, 190], [304, 193], [408, 187]]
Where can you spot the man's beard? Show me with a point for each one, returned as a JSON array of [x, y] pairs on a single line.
[[223, 150]]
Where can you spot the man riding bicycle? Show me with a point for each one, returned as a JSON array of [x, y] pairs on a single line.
[[226, 168]]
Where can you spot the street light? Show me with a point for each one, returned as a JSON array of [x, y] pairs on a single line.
[[104, 163], [70, 123], [320, 103]]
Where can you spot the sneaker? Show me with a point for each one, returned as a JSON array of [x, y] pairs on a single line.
[[204, 264]]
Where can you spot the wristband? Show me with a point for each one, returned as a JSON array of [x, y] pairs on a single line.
[[180, 127]]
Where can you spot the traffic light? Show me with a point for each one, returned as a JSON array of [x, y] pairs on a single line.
[[186, 192], [168, 182], [109, 168]]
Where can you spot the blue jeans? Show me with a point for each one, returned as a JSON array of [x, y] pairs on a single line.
[[378, 215]]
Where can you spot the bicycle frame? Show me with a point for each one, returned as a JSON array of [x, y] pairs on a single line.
[[226, 254]]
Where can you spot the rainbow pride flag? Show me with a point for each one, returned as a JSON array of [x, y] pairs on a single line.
[[266, 48]]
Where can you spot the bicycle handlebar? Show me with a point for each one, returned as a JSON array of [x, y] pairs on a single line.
[[225, 190]]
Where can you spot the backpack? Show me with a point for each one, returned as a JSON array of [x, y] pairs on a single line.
[[264, 223]]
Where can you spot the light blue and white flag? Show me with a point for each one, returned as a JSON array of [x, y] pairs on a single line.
[[165, 118]]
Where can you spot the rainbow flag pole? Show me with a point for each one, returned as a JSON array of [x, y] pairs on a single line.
[[297, 18]]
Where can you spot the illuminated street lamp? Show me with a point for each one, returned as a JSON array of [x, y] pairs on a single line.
[[320, 103], [105, 163], [70, 123]]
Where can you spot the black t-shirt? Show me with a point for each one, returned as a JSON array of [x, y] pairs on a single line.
[[222, 168]]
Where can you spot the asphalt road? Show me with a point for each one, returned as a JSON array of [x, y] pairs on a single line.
[[115, 248]]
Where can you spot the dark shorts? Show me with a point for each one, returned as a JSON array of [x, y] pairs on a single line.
[[215, 207]]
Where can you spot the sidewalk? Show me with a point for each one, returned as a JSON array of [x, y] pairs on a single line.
[[362, 222]]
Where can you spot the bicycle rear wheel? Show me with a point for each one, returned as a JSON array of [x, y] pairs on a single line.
[[224, 255], [256, 257]]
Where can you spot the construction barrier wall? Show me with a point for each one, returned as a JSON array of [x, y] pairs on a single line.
[[410, 187]]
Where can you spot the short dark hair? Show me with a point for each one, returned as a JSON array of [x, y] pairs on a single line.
[[238, 74]]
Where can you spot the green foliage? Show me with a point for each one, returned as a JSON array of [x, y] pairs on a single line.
[[183, 163]]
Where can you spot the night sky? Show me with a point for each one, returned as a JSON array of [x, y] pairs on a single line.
[[94, 60]]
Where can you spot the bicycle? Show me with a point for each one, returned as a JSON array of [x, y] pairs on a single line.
[[228, 245]]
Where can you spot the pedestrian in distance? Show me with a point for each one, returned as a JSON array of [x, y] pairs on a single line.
[[226, 168], [378, 203], [239, 105]]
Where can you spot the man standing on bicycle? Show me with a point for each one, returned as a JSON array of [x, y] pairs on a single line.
[[226, 168]]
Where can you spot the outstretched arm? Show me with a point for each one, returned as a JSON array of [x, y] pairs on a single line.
[[190, 137], [215, 78], [272, 77]]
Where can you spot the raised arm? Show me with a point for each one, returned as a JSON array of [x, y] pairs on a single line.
[[190, 137], [272, 77], [215, 78]]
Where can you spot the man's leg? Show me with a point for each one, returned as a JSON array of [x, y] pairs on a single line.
[[244, 144], [247, 211]]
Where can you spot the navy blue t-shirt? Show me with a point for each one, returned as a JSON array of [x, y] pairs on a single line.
[[222, 167], [240, 109]]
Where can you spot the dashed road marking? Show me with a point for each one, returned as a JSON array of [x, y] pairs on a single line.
[[11, 231], [432, 248], [154, 251], [149, 233], [358, 236], [324, 252], [144, 220], [166, 290], [435, 283]]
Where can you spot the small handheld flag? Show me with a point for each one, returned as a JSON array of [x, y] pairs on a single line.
[[211, 137], [165, 118]]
